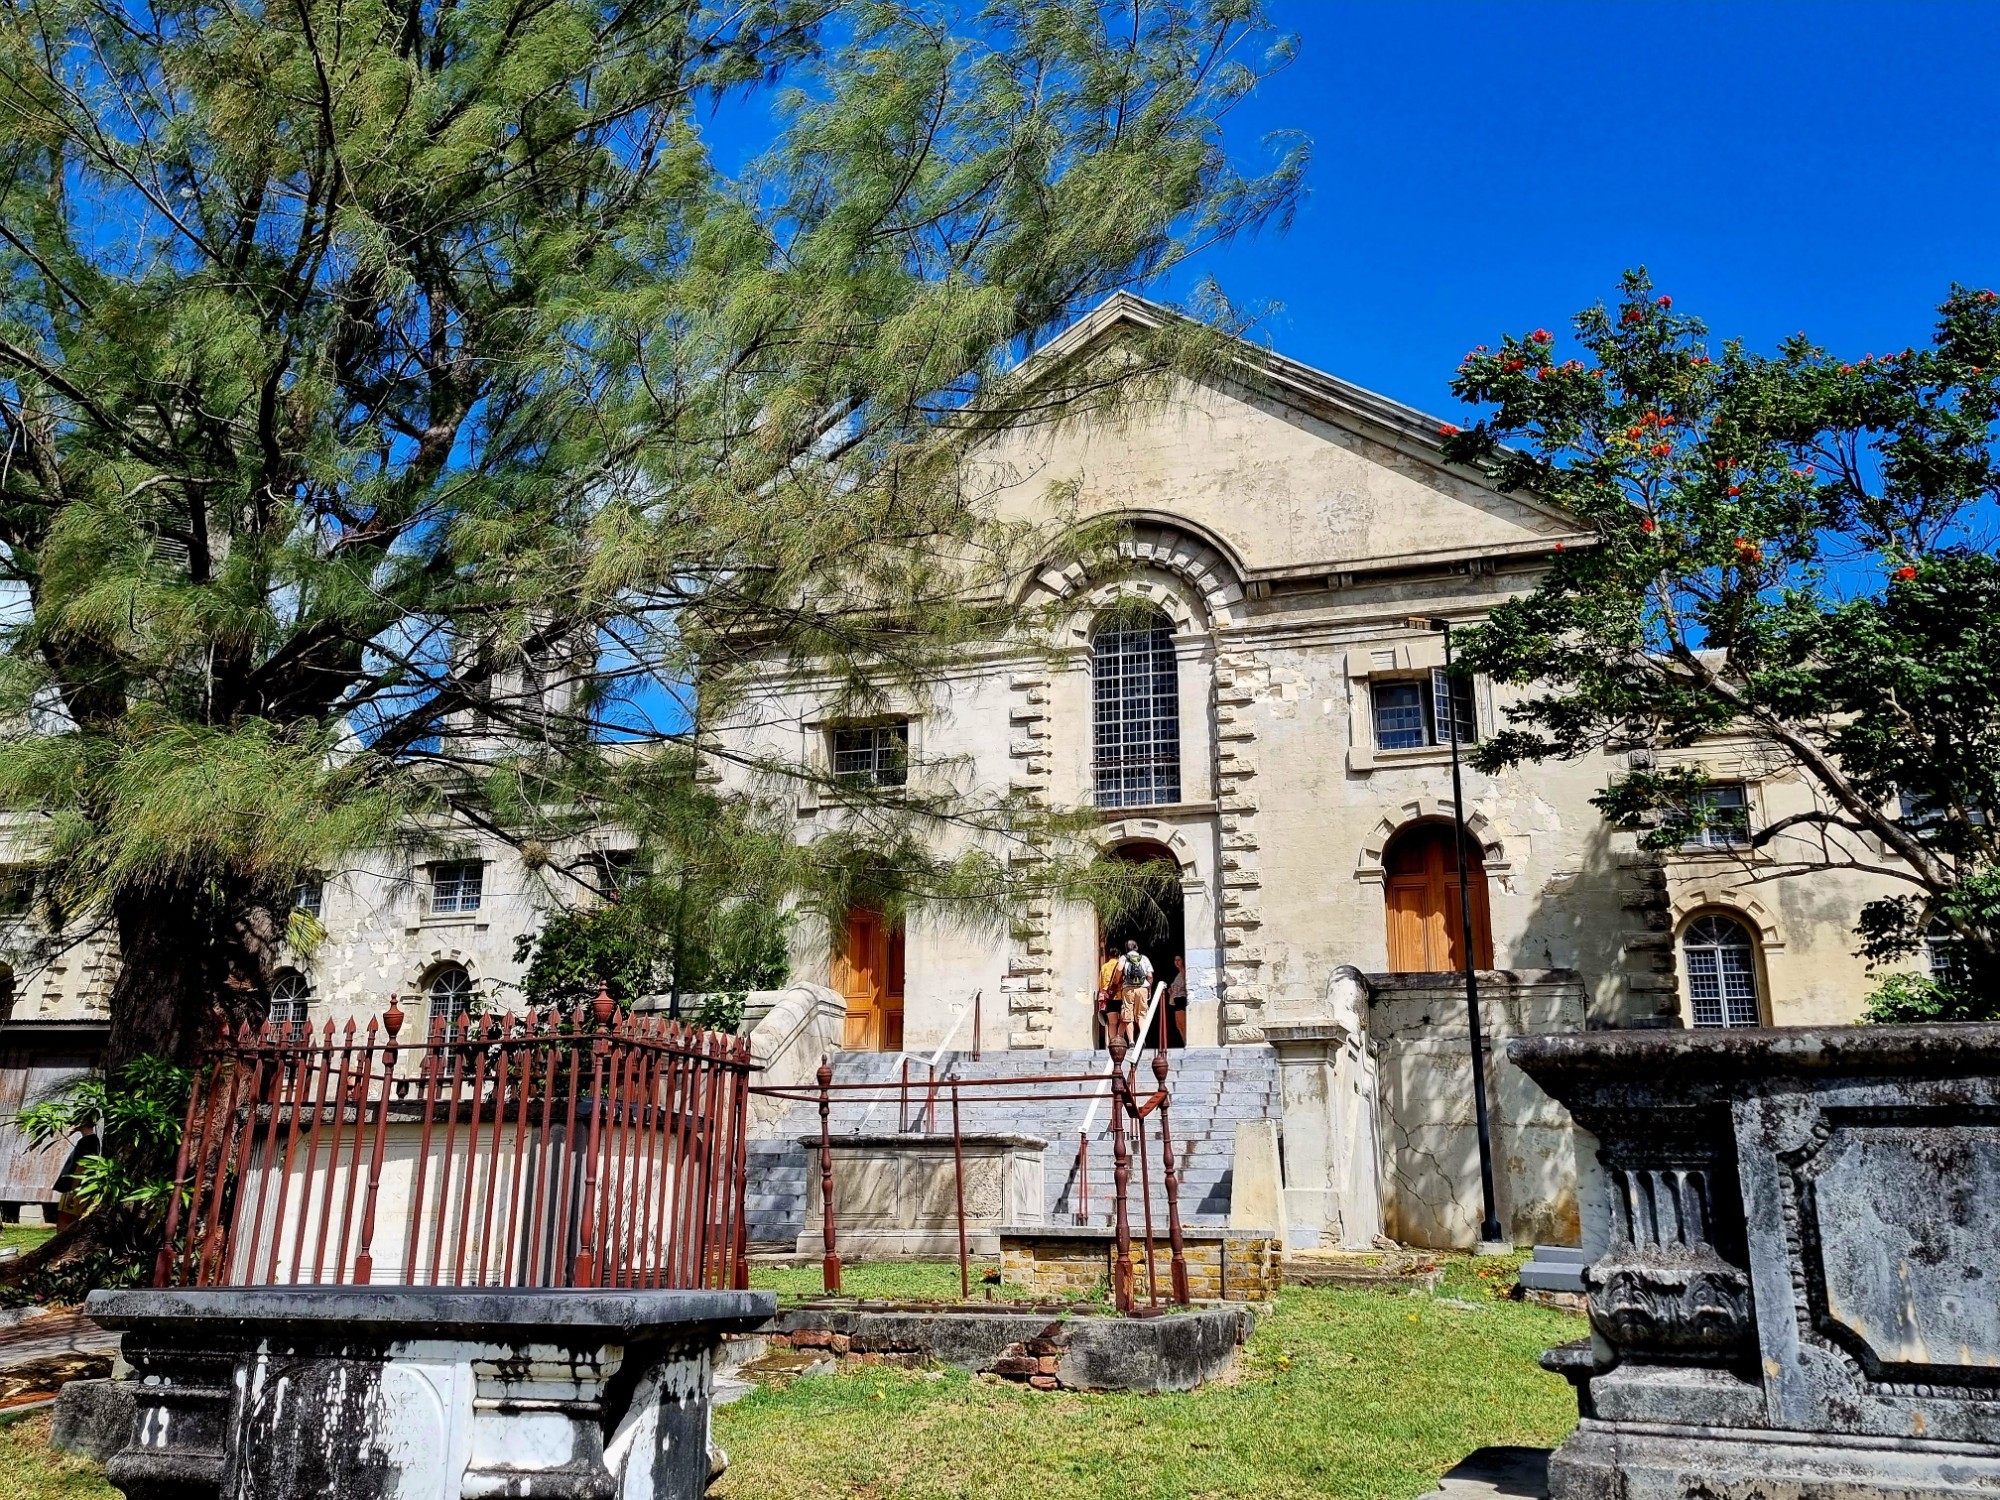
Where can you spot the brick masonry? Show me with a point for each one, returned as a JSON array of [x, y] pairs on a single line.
[[1221, 1267]]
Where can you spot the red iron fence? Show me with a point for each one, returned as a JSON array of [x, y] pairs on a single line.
[[530, 1150], [1120, 1085]]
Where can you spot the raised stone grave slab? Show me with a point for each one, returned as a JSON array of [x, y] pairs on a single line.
[[896, 1193], [1051, 1347], [1801, 1297], [358, 1393]]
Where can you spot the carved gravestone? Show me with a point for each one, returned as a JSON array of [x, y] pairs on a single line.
[[1802, 1291]]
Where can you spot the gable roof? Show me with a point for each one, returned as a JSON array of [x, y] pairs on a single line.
[[1327, 397]]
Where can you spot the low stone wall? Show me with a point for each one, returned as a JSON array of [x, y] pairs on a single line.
[[1422, 1049], [1044, 1348], [1228, 1265]]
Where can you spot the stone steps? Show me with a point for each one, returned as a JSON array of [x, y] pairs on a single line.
[[1213, 1089]]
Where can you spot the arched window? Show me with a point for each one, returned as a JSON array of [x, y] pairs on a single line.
[[450, 992], [1721, 961], [291, 997], [1137, 719]]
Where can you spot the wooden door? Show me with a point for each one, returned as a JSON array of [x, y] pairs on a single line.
[[868, 972], [1422, 899]]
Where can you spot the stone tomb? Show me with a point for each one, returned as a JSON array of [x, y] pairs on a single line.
[[1801, 1295], [358, 1393], [896, 1194]]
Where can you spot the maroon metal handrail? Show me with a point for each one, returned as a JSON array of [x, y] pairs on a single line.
[[503, 1150], [1128, 1112]]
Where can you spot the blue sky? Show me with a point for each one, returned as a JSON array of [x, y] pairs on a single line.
[[1481, 168]]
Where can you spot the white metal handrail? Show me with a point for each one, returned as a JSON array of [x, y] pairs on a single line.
[[957, 1020], [1145, 1028]]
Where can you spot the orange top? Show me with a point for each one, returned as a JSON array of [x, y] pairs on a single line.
[[1107, 977]]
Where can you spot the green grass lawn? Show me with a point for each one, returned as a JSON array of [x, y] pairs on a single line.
[[909, 1281], [31, 1470], [23, 1237], [1351, 1394], [1348, 1393]]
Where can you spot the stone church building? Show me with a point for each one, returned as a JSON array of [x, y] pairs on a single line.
[[1273, 723], [1266, 711]]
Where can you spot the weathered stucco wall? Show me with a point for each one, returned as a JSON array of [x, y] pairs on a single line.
[[1430, 1150]]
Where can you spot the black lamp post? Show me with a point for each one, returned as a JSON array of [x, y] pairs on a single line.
[[1489, 1228]]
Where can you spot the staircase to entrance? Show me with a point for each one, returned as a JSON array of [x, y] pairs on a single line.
[[1213, 1089]]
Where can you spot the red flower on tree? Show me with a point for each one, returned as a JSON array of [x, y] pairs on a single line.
[[1446, 429], [1666, 302], [1648, 525], [1905, 574]]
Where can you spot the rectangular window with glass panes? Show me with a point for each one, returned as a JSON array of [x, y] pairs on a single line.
[[456, 886], [1726, 805], [1414, 712], [872, 754], [309, 895]]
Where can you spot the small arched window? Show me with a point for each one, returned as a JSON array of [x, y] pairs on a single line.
[[1721, 961], [1137, 713], [450, 992], [291, 998]]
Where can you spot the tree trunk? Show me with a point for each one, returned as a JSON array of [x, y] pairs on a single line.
[[190, 963]]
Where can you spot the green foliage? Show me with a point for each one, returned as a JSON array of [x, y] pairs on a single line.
[[721, 1011], [444, 422], [1910, 998], [1786, 548], [65, 1282], [637, 945], [136, 1115], [577, 952]]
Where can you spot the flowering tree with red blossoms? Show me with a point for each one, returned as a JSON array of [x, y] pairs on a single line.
[[1794, 558]]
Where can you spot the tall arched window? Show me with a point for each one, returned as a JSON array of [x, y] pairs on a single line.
[[1721, 961], [1137, 713], [450, 993], [291, 997]]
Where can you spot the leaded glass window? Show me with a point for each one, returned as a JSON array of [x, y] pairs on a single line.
[[1721, 963], [450, 993], [1136, 688], [291, 997]]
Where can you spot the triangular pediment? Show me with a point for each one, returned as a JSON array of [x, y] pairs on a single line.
[[1287, 468]]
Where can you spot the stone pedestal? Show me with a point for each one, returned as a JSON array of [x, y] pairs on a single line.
[[1326, 1080], [356, 1393], [896, 1194], [1799, 1295]]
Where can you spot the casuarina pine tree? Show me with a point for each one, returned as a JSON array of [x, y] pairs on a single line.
[[414, 412], [1795, 549]]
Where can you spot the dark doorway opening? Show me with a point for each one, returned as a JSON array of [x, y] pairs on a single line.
[[1159, 926]]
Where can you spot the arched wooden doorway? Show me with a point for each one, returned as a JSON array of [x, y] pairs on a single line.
[[868, 973], [1425, 934], [1159, 925]]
